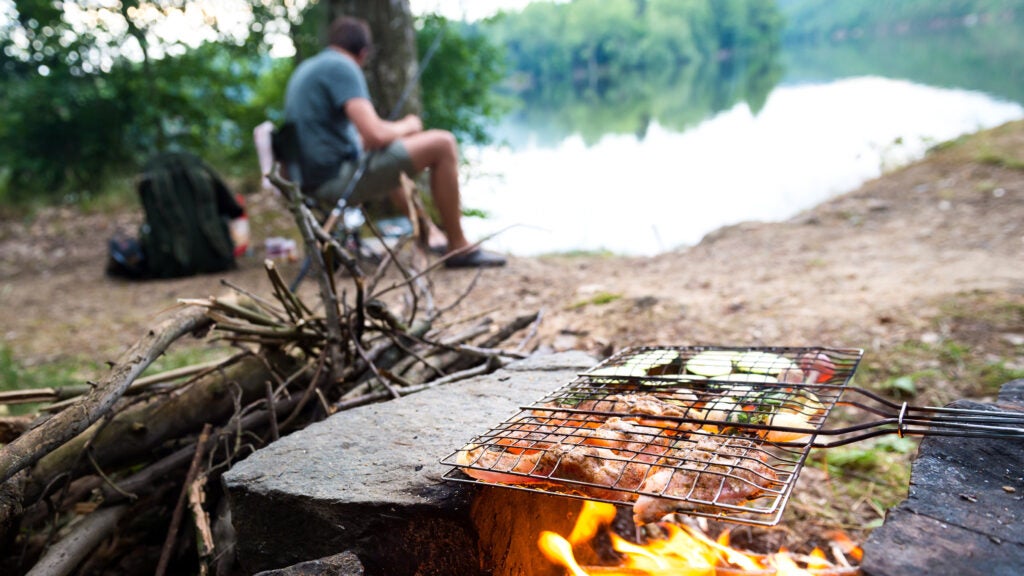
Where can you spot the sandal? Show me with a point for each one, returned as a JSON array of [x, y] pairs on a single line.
[[476, 259]]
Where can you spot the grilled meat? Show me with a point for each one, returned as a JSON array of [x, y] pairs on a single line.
[[711, 471], [613, 457]]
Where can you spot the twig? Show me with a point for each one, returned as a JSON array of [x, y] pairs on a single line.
[[106, 479], [506, 331], [266, 304], [327, 295], [313, 383], [172, 530], [243, 312], [465, 293], [323, 403], [378, 396], [274, 434], [373, 368], [292, 305], [534, 328], [480, 352], [196, 499], [466, 335]]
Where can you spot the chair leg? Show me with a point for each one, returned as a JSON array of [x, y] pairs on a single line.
[[306, 263]]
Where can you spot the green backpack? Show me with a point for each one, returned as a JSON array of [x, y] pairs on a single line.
[[188, 207]]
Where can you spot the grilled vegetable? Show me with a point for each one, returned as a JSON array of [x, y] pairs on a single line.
[[744, 377], [712, 363], [786, 419], [619, 370], [757, 362], [818, 366]]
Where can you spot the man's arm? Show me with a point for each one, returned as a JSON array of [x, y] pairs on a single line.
[[375, 131]]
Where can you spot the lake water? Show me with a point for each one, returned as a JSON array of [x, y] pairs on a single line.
[[641, 195]]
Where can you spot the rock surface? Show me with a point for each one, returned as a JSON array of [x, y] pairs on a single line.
[[344, 564], [965, 509], [369, 480]]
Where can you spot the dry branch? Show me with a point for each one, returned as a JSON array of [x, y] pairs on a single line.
[[134, 432], [330, 298], [38, 442], [65, 556]]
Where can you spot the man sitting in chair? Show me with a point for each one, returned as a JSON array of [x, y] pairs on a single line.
[[328, 102]]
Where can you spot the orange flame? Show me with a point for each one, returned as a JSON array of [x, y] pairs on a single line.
[[684, 552]]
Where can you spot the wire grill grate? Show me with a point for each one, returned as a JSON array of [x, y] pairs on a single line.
[[711, 431]]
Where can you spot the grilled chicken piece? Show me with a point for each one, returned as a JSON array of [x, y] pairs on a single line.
[[712, 471], [617, 455], [497, 463], [647, 404], [608, 455]]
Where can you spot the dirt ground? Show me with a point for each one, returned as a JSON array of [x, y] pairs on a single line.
[[922, 254]]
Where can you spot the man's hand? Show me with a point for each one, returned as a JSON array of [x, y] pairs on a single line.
[[375, 131], [411, 124]]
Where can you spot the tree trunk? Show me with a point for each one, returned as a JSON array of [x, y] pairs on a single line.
[[394, 61]]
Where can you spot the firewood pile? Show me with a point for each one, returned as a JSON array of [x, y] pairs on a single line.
[[122, 475]]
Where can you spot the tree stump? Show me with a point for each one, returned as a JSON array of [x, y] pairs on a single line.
[[965, 509]]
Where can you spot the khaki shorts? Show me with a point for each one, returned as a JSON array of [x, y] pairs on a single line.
[[380, 177]]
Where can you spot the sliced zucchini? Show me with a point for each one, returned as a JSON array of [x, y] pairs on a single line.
[[712, 363], [673, 379], [653, 362], [616, 371], [642, 364], [757, 362], [745, 377]]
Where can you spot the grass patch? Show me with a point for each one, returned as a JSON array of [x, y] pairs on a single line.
[[15, 376], [865, 479], [999, 159], [188, 356], [599, 299], [1000, 146], [968, 351]]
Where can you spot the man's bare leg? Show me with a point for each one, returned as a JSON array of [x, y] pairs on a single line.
[[437, 151], [412, 210]]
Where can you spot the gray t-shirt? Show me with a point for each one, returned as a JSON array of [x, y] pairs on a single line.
[[315, 102]]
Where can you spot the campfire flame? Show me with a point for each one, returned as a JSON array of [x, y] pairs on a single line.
[[685, 552]]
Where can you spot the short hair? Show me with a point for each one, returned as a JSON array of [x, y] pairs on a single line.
[[350, 34]]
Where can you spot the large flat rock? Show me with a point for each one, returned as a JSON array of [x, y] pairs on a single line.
[[369, 480]]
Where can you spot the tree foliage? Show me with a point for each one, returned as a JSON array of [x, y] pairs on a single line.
[[456, 86], [592, 67], [815, 20], [91, 92], [598, 39], [94, 91]]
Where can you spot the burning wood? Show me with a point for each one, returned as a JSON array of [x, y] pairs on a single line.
[[684, 550]]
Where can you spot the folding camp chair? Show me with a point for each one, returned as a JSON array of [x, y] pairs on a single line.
[[346, 220]]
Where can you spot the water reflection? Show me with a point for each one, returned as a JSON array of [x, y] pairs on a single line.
[[668, 188]]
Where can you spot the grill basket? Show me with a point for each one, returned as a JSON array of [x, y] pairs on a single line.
[[720, 432]]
